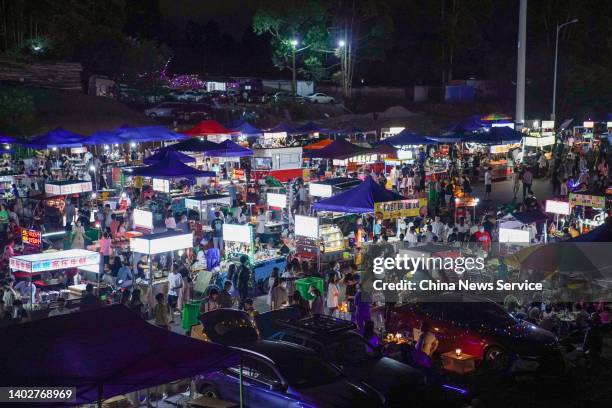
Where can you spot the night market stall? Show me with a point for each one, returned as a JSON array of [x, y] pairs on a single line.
[[44, 277], [211, 130]]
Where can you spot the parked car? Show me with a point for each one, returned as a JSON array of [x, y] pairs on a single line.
[[276, 373], [478, 327], [163, 110], [339, 342], [286, 96], [319, 97], [193, 111]]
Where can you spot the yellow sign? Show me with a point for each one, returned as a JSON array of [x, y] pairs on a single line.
[[400, 209], [305, 174], [587, 200]]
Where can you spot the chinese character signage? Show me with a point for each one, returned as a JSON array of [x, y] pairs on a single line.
[[28, 264], [31, 237], [587, 200], [66, 189], [400, 209]]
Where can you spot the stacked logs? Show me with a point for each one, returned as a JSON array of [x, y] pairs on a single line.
[[57, 75]]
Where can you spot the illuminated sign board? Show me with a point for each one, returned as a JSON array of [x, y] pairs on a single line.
[[31, 237], [161, 185], [153, 246], [143, 219], [238, 233], [508, 236], [68, 188], [558, 207], [399, 209], [277, 200], [587, 200], [52, 261], [306, 226]]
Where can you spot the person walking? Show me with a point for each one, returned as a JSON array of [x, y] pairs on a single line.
[[278, 295], [244, 276], [217, 227], [487, 183], [527, 181], [515, 182], [160, 312]]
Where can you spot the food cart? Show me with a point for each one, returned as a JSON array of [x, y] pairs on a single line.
[[46, 272], [596, 214], [240, 240], [159, 245], [205, 205]]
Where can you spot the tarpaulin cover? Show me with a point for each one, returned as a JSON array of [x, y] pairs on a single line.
[[227, 148], [110, 348], [603, 233], [318, 145], [311, 127], [406, 138], [246, 128], [161, 155], [171, 166], [280, 128], [359, 199], [147, 134], [528, 217], [195, 144], [57, 137], [103, 137], [339, 149], [208, 127], [496, 136]]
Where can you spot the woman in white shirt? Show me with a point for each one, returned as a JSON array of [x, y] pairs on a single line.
[[261, 222], [333, 293], [170, 221]]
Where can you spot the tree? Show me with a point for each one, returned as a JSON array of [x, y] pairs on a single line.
[[16, 107], [298, 34], [362, 29]]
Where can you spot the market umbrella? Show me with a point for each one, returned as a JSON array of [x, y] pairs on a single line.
[[170, 166], [103, 137], [603, 233], [227, 148], [161, 155], [311, 127], [594, 260]]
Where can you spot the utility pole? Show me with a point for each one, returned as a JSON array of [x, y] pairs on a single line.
[[554, 97], [294, 44], [519, 117]]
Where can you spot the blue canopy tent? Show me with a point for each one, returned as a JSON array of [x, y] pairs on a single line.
[[311, 127], [170, 166], [147, 134], [282, 128], [358, 200], [195, 144], [57, 137], [104, 352], [406, 138], [161, 155], [227, 148], [103, 137], [246, 129], [469, 124], [350, 129], [496, 136], [339, 149], [7, 139]]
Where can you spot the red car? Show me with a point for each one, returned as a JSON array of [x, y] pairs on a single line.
[[478, 327]]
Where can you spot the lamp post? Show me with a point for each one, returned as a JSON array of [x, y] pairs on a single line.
[[343, 64], [554, 97], [294, 44]]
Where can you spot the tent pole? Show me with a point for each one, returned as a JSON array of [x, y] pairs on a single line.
[[100, 395], [241, 390]]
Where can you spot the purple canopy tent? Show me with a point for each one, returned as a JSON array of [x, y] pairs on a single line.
[[103, 137], [147, 134], [359, 199], [311, 127], [406, 138], [57, 137], [339, 149], [351, 128], [161, 155], [170, 166], [227, 148], [280, 128], [246, 129], [103, 353], [195, 144], [496, 136], [7, 139]]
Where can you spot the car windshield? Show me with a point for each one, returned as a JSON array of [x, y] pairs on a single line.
[[351, 349], [308, 371]]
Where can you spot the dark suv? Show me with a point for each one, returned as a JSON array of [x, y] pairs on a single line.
[[276, 374], [339, 342]]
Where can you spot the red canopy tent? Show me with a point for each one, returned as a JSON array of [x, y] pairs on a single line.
[[208, 127], [318, 145]]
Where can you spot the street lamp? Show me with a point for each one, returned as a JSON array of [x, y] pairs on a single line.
[[554, 98], [294, 44], [341, 43]]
